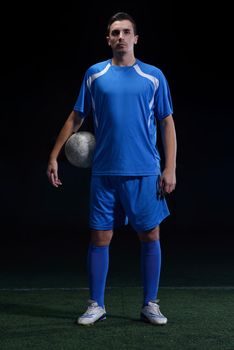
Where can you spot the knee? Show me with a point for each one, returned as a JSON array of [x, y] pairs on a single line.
[[150, 235], [101, 238]]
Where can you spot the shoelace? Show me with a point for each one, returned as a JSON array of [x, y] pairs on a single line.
[[156, 308], [90, 309]]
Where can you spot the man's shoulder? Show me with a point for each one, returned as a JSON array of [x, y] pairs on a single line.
[[98, 67], [149, 68]]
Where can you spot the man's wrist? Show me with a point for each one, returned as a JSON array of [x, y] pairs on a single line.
[[170, 168], [52, 158]]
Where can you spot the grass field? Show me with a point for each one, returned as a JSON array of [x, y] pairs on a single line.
[[44, 319], [42, 294]]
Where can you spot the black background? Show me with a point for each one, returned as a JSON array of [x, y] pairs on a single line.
[[45, 52]]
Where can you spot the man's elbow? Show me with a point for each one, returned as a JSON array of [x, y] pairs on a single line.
[[168, 120]]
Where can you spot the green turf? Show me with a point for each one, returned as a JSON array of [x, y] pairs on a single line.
[[198, 319]]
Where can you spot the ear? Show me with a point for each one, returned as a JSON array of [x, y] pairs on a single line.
[[108, 40], [136, 39]]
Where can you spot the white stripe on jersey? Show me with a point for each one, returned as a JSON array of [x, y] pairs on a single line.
[[89, 83], [154, 80], [97, 75]]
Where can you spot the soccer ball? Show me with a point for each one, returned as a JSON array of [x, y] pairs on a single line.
[[79, 149]]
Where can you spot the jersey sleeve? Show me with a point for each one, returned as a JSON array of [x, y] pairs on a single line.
[[163, 101], [83, 103]]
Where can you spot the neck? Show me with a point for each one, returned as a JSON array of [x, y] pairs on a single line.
[[123, 60]]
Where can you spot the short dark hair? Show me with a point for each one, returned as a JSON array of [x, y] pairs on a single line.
[[120, 16]]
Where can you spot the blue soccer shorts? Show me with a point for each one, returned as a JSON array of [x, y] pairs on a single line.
[[117, 200]]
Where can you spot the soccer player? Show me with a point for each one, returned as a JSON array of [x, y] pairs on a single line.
[[129, 100]]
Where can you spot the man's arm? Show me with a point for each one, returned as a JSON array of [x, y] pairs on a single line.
[[168, 133], [72, 124]]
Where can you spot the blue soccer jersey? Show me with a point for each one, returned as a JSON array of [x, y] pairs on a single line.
[[126, 103]]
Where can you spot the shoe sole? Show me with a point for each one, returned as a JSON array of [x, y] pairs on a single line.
[[102, 318], [145, 319]]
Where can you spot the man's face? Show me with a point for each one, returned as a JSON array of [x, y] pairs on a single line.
[[121, 36]]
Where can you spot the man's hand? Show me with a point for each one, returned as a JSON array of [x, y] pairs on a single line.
[[52, 173], [167, 181]]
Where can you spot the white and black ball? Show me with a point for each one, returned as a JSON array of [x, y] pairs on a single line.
[[79, 149]]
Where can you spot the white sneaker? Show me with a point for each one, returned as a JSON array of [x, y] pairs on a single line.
[[151, 313], [93, 313]]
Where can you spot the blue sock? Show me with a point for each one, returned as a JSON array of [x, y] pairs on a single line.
[[98, 263], [150, 269]]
